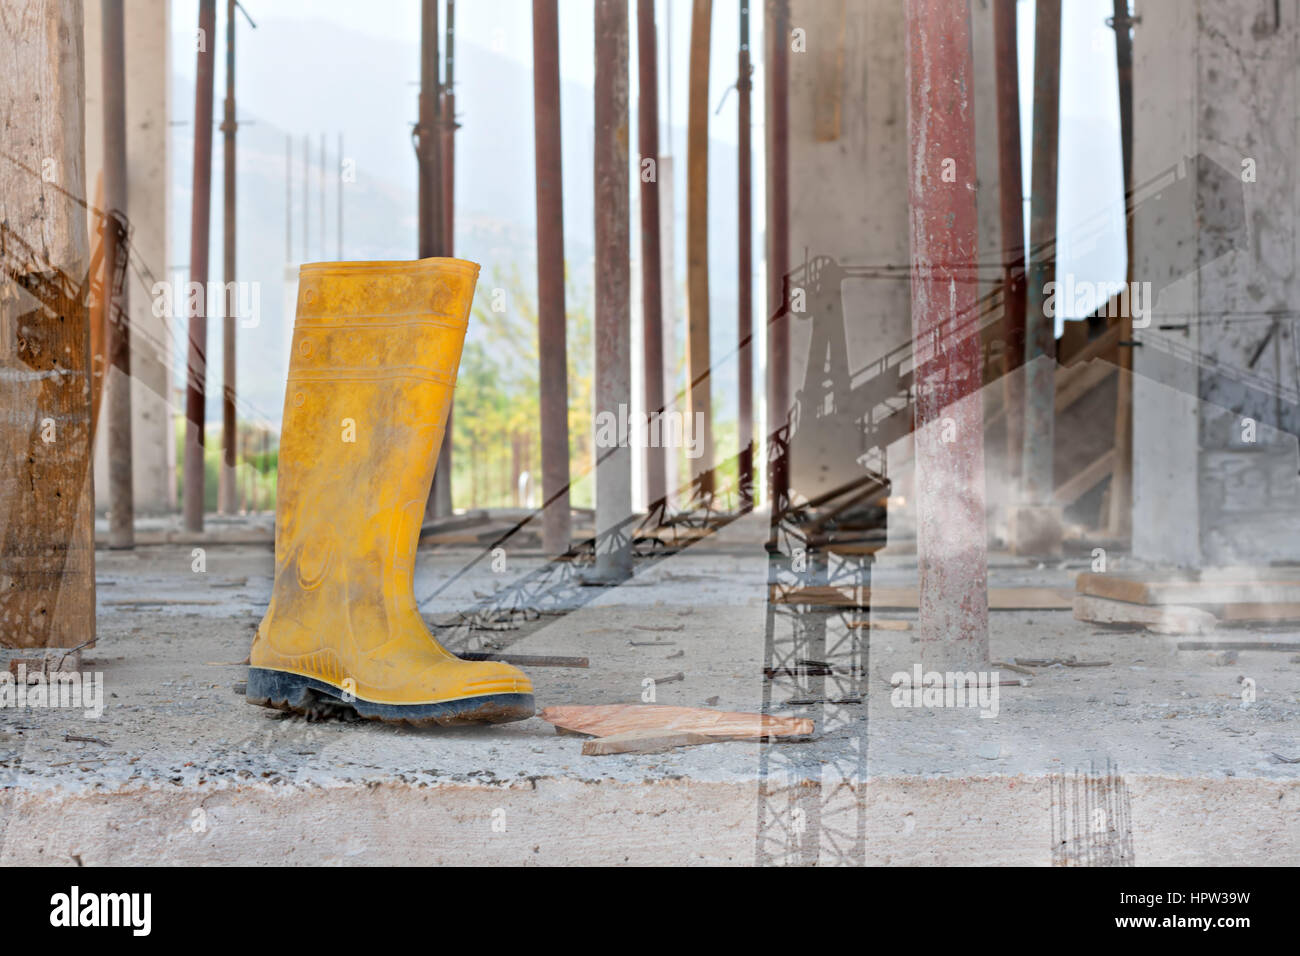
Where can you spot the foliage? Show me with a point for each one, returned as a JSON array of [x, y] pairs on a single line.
[[497, 407]]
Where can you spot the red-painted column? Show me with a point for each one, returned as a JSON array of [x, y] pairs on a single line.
[[951, 538], [1012, 213]]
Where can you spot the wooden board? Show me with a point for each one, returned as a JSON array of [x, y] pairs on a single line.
[[1000, 599], [605, 720], [651, 741], [1263, 586], [1070, 491], [882, 625], [1289, 611], [1164, 619]]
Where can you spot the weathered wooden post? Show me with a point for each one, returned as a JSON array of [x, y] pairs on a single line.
[[47, 548]]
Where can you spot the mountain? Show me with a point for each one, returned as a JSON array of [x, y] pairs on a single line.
[[305, 78]]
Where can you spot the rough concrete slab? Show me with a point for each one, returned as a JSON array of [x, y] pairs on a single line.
[[189, 772]]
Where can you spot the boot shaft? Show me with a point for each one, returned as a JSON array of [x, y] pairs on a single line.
[[375, 352]]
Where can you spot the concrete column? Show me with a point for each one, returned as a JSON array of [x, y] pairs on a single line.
[[847, 201], [1215, 414], [147, 84], [951, 538]]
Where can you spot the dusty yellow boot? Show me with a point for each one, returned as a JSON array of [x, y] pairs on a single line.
[[376, 348]]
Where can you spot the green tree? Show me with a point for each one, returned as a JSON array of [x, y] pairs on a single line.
[[497, 396]]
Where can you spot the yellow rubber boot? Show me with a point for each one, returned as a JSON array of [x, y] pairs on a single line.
[[376, 348]]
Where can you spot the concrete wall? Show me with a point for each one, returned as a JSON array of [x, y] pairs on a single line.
[[147, 83], [848, 200], [1220, 83]]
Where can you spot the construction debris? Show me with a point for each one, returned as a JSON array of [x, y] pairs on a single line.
[[1163, 619], [1238, 645], [1070, 661], [526, 660], [1000, 599], [655, 740], [882, 625], [605, 720], [1233, 594]]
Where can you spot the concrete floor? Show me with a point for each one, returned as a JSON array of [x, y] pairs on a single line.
[[189, 772]]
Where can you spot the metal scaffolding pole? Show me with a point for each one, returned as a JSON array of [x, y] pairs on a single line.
[[448, 138], [324, 175], [442, 504], [613, 294], [200, 218], [1120, 498], [1011, 202], [951, 535], [226, 488], [306, 200], [288, 198], [1040, 329], [651, 264], [428, 151], [338, 182], [778, 245], [427, 134], [698, 379], [553, 375], [745, 258], [121, 495]]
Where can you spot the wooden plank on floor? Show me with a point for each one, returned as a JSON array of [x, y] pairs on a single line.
[[1163, 619], [1238, 613], [1000, 599], [653, 741], [605, 720], [1218, 588]]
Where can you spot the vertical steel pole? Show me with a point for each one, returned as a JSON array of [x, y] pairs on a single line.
[[121, 501], [613, 294], [651, 265], [324, 176], [1120, 519], [778, 247], [448, 134], [443, 504], [1040, 329], [339, 186], [200, 213], [226, 484], [306, 200], [951, 536], [745, 259], [698, 380], [552, 347], [1013, 228], [288, 198], [428, 149], [427, 134]]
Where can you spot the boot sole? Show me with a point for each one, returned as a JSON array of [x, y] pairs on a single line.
[[311, 696]]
